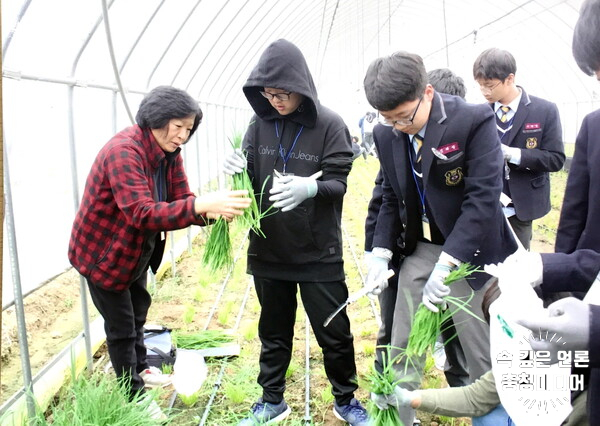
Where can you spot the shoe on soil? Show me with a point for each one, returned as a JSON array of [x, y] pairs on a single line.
[[154, 378], [263, 413], [354, 414]]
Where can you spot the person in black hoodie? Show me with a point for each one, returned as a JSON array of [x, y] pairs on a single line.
[[290, 141]]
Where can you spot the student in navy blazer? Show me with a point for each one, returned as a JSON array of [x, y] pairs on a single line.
[[440, 203], [531, 136]]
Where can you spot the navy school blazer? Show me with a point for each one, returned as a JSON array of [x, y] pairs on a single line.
[[462, 191]]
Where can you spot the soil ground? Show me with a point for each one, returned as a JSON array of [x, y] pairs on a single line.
[[195, 300]]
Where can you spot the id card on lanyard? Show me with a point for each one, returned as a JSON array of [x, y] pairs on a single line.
[[424, 219], [287, 155]]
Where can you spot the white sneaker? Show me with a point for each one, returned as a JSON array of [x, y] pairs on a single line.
[[154, 378], [155, 412]]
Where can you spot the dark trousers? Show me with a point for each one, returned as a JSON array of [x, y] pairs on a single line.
[[523, 229], [124, 318], [387, 305], [276, 331]]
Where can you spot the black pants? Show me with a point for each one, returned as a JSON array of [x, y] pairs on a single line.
[[124, 318], [523, 229], [387, 303], [276, 331]]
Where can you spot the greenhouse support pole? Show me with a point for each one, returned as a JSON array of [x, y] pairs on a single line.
[[82, 282], [113, 60], [18, 294]]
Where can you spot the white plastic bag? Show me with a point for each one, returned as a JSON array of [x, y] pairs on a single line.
[[532, 392], [190, 371]]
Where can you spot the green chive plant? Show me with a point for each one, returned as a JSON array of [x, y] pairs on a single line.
[[98, 399], [427, 324], [252, 215], [202, 339], [217, 251], [384, 382]]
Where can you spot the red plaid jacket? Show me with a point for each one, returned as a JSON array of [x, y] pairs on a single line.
[[118, 208]]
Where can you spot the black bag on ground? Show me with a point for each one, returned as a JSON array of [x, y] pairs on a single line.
[[159, 346]]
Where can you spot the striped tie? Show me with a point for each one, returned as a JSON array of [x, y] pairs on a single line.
[[419, 143], [504, 116]]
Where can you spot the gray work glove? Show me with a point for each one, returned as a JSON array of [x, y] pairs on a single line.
[[290, 191], [377, 275], [401, 398], [435, 290], [235, 162], [569, 319]]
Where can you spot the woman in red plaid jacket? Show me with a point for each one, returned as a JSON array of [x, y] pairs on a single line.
[[136, 190]]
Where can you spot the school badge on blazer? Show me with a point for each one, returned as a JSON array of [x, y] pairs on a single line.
[[454, 176], [531, 143]]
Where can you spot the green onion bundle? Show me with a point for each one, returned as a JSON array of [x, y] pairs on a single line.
[[217, 251], [252, 215], [384, 382], [427, 325], [202, 339]]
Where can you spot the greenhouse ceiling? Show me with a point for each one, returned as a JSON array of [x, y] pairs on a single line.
[[74, 72], [208, 47]]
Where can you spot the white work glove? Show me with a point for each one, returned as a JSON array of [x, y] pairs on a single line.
[[401, 398], [569, 319], [435, 290], [512, 155], [234, 162], [377, 275], [527, 265], [291, 191]]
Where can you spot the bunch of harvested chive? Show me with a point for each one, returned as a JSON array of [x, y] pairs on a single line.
[[427, 325], [202, 339], [252, 215], [217, 251], [384, 382]]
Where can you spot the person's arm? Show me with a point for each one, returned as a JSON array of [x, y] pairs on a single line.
[[373, 211], [574, 210], [336, 164], [476, 399], [594, 348], [569, 272], [482, 188]]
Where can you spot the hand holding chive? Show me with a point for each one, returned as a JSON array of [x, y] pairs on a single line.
[[226, 204]]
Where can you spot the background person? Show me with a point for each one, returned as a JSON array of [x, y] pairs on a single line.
[[135, 191], [531, 135], [294, 134]]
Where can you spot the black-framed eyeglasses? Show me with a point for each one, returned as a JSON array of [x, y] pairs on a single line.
[[404, 121], [282, 96]]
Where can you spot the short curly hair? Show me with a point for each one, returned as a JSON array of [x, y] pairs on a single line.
[[165, 103]]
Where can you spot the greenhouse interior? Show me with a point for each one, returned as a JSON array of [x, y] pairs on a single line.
[[74, 75]]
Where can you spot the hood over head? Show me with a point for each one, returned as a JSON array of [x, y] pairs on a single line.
[[282, 66]]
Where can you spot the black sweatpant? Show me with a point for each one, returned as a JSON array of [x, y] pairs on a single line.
[[124, 318], [276, 331]]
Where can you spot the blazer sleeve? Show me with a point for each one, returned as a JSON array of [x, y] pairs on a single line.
[[594, 349], [570, 272], [575, 205], [481, 195], [373, 211], [550, 156]]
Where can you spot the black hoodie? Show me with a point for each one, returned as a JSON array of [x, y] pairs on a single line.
[[304, 244]]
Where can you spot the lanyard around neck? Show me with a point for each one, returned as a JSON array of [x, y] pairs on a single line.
[[412, 168], [286, 157]]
